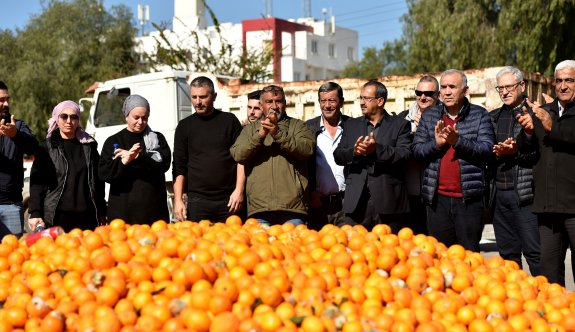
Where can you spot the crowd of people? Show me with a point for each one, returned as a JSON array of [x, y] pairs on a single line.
[[439, 168]]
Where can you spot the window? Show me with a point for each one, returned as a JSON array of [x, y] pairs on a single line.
[[296, 76], [109, 108], [314, 46], [184, 100], [331, 50], [350, 53]]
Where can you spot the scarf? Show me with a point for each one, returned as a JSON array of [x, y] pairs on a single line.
[[82, 136], [150, 138]]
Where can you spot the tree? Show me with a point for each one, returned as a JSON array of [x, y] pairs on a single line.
[[533, 35], [215, 55], [370, 66], [9, 55], [59, 55]]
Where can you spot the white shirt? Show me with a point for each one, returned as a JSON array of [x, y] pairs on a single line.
[[329, 175]]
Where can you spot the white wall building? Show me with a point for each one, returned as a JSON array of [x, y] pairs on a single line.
[[304, 49]]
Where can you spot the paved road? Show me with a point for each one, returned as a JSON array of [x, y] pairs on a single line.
[[489, 248]]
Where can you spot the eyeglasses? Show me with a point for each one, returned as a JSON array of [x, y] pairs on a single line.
[[330, 101], [507, 87], [426, 93], [366, 99], [273, 88], [64, 117], [569, 80]]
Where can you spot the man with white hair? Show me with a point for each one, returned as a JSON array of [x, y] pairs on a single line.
[[514, 223], [551, 132], [455, 141]]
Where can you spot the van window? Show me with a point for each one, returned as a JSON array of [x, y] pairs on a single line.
[[109, 107], [184, 100]]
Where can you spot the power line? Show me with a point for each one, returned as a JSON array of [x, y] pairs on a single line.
[[376, 7], [374, 22], [372, 14]]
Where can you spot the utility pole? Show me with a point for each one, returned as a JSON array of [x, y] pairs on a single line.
[[268, 8], [143, 17], [306, 8]]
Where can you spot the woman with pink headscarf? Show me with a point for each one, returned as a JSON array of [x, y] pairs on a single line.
[[64, 186]]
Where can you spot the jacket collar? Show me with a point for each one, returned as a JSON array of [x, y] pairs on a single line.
[[462, 112]]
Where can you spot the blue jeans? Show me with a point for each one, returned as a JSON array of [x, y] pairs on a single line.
[[279, 217], [452, 221], [12, 219], [516, 230]]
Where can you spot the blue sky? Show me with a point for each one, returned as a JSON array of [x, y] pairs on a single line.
[[375, 21]]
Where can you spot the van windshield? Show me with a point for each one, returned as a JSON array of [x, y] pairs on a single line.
[[109, 107]]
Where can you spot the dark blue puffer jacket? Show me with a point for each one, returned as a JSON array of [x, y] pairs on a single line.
[[473, 149]]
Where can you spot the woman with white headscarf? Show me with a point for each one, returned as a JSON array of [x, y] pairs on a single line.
[[64, 186], [134, 162]]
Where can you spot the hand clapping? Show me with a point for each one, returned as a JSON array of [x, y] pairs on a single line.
[[507, 147], [445, 134], [364, 145], [269, 124], [128, 155]]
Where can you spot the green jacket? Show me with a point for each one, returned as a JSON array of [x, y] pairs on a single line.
[[276, 168]]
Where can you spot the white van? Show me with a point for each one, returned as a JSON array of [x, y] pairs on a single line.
[[168, 93]]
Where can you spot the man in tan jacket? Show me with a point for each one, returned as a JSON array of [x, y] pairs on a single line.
[[274, 151]]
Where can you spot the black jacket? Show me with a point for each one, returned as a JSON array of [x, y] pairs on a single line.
[[553, 172], [383, 171], [523, 163], [315, 126], [48, 177], [11, 163]]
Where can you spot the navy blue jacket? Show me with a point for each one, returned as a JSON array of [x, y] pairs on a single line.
[[11, 162], [474, 149]]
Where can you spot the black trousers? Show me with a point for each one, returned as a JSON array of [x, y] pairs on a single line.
[[70, 220], [417, 220], [516, 230], [201, 208], [330, 212], [452, 221], [557, 233], [366, 214]]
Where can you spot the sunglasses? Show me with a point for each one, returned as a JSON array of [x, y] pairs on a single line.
[[426, 93], [65, 116]]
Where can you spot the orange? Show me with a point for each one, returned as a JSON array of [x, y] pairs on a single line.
[[270, 322], [16, 316], [219, 303], [234, 220], [195, 319], [225, 321], [312, 324]]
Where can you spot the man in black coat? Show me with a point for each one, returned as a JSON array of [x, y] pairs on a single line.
[[514, 223], [374, 149], [327, 179], [426, 97], [16, 139], [551, 131]]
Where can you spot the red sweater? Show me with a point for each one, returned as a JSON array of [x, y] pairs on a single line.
[[449, 175]]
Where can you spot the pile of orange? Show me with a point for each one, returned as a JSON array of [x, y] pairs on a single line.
[[233, 277]]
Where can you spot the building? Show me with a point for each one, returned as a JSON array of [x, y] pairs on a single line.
[[302, 100], [303, 49]]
